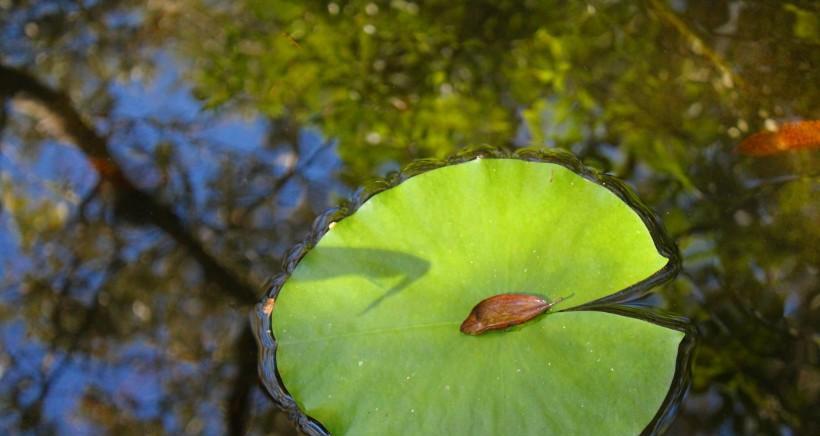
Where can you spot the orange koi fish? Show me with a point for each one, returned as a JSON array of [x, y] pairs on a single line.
[[800, 135]]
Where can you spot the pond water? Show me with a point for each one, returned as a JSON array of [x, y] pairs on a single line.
[[158, 159]]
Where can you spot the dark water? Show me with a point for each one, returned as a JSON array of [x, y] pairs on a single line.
[[157, 160]]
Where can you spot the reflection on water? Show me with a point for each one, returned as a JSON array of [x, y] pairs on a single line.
[[158, 159]]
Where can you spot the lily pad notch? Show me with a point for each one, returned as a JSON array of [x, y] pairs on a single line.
[[403, 294]]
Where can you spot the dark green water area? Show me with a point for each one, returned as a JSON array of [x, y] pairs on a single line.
[[160, 160]]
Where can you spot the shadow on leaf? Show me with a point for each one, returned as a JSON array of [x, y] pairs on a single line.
[[377, 266]]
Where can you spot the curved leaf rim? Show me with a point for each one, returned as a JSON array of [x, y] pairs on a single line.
[[613, 303]]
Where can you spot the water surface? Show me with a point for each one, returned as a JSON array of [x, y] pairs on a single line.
[[158, 159]]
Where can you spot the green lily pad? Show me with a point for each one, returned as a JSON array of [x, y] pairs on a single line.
[[367, 324]]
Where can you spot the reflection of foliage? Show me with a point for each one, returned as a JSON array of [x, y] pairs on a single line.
[[399, 80], [657, 92]]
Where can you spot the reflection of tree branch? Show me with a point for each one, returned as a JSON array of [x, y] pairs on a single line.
[[696, 42], [3, 118], [54, 109], [239, 402], [62, 120], [90, 317], [294, 171]]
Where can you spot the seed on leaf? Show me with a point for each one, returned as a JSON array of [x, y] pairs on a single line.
[[505, 310]]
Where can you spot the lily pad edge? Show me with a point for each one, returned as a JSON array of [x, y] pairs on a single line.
[[261, 315]]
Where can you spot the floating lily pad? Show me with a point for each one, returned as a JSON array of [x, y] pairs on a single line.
[[367, 325]]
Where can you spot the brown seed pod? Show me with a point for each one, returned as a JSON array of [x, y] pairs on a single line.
[[505, 310]]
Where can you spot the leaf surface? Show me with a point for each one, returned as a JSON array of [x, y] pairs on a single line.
[[368, 324]]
